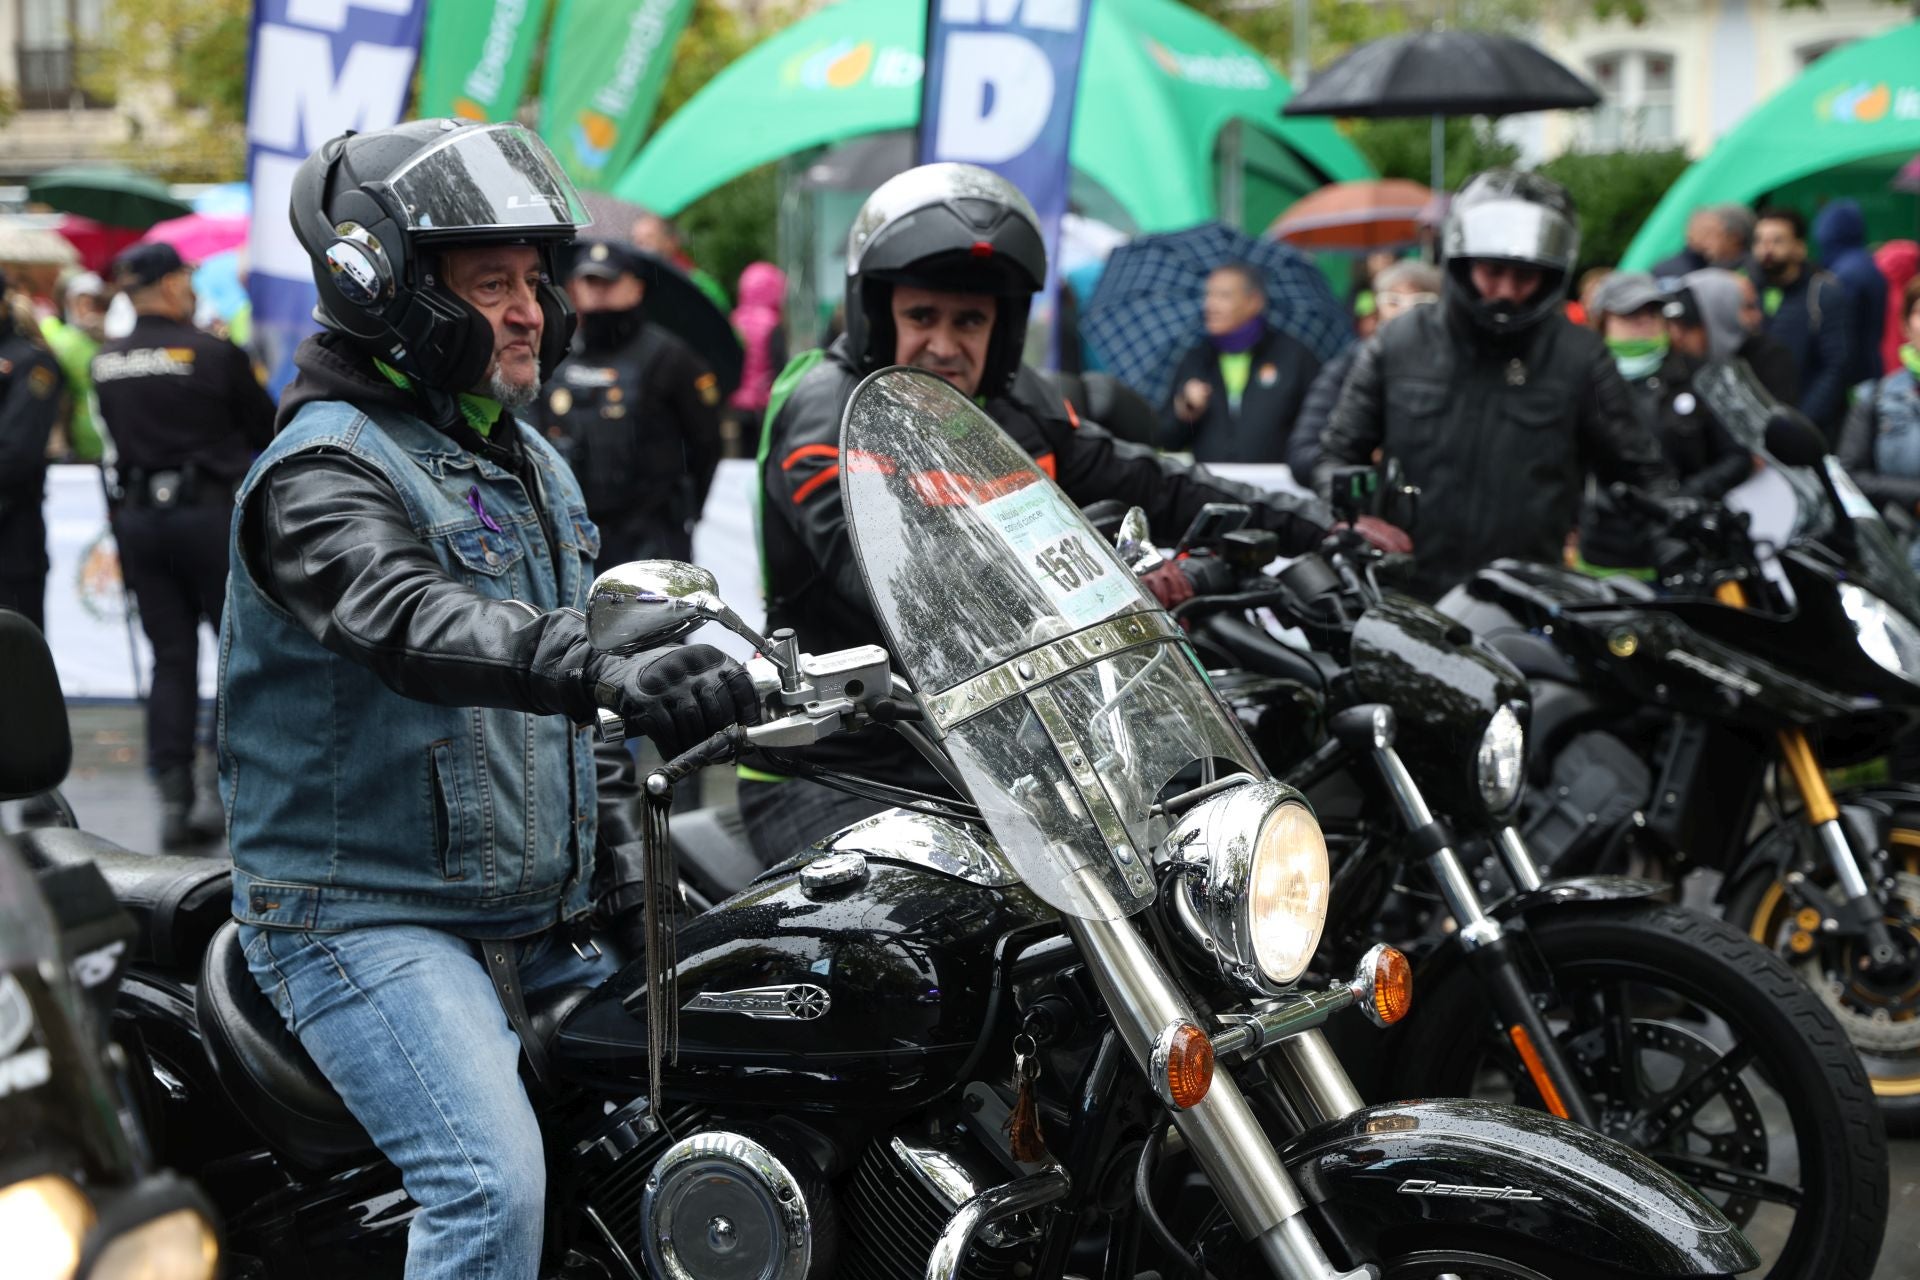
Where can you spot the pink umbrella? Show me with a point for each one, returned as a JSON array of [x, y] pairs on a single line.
[[200, 236]]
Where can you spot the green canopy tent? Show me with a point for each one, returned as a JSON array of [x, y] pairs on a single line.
[[1173, 113], [1844, 127]]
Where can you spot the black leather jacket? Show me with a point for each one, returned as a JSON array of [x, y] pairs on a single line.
[[329, 540], [1499, 434], [813, 584]]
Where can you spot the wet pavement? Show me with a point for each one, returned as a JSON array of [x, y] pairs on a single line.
[[112, 798]]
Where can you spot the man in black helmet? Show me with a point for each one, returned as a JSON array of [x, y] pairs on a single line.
[[405, 677], [942, 263], [1497, 406], [635, 411]]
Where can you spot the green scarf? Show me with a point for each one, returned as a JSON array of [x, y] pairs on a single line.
[[1235, 369], [1637, 357], [1910, 357], [1771, 298], [481, 412]]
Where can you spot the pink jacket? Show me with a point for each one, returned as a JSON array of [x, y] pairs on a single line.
[[763, 291], [1898, 261]]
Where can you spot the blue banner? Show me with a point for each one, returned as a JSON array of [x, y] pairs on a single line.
[[319, 68], [999, 89]]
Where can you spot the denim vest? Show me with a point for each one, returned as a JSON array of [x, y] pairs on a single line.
[[349, 805], [1896, 421]]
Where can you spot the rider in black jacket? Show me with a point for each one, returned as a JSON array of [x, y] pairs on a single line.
[[941, 265], [1495, 404]]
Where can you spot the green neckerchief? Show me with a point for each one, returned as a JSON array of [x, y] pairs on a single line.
[[481, 412], [1771, 297], [1235, 369], [1637, 357], [1910, 357]]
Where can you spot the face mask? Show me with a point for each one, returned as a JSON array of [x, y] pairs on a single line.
[[602, 330], [1637, 357]]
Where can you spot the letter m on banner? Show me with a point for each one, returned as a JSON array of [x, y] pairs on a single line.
[[999, 90], [320, 67]]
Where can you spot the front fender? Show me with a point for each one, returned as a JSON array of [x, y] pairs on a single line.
[[1409, 1175], [1577, 891]]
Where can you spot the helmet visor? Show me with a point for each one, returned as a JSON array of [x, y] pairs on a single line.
[[486, 180], [1513, 231]]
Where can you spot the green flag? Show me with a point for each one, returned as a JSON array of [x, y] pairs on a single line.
[[605, 64], [475, 57]]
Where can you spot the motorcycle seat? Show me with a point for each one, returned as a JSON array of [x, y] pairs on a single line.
[[268, 1074], [176, 903]]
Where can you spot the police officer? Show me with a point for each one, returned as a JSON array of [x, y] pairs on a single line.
[[29, 403], [185, 416], [635, 411]]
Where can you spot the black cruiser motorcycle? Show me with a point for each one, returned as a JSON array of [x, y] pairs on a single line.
[[1589, 997], [1690, 725], [81, 1197], [1062, 1028]]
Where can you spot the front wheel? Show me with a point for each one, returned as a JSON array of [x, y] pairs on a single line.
[[1702, 1050]]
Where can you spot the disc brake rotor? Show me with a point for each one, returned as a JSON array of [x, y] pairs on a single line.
[[1739, 1138]]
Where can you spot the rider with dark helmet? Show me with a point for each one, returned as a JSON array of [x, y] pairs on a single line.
[[405, 676], [942, 264], [1495, 404]]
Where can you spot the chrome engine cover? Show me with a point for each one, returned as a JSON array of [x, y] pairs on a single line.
[[720, 1206]]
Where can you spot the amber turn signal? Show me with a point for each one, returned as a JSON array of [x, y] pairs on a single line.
[[1182, 1066], [1383, 985]]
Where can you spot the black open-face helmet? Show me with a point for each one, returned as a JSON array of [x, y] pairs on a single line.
[[373, 211], [954, 227], [1504, 215]]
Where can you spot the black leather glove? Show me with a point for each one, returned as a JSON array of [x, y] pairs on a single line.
[[678, 696]]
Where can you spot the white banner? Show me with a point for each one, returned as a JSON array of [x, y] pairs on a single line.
[[86, 619]]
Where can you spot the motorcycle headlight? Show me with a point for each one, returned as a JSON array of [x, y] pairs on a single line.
[[43, 1222], [1884, 632], [1255, 889], [1503, 748]]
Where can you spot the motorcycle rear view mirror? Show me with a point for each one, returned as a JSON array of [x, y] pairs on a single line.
[[646, 603], [1133, 542], [1792, 438]]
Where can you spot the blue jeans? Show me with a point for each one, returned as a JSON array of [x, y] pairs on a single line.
[[405, 1023]]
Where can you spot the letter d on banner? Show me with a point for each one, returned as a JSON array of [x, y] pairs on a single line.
[[999, 90], [319, 68]]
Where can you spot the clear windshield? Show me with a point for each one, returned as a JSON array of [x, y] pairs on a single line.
[[487, 178], [1068, 699], [1738, 400]]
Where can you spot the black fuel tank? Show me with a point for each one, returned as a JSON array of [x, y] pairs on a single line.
[[871, 994]]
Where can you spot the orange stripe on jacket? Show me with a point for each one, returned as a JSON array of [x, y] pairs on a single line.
[[805, 491]]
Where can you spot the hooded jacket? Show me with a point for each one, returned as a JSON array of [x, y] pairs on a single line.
[[1899, 262], [1840, 235], [763, 290]]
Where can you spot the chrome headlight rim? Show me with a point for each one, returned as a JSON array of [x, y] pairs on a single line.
[[1499, 761], [1883, 633], [1217, 846]]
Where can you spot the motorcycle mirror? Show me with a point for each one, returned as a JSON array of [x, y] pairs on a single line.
[[646, 603], [1792, 438], [1133, 540]]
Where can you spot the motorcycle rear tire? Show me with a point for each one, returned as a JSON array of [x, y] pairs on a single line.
[[1801, 1051]]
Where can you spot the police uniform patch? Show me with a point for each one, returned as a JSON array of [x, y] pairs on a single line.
[[614, 395], [561, 400], [581, 375], [613, 411], [42, 381], [709, 388]]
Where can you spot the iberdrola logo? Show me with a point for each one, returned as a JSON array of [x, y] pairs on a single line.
[[593, 138], [468, 109], [838, 65], [1854, 103]]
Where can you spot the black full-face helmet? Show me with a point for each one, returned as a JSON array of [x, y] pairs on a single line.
[[1504, 215], [373, 211], [954, 227]]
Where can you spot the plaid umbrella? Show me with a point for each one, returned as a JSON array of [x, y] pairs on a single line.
[[1145, 311]]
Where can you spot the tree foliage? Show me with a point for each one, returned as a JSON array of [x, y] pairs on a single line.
[[181, 65], [1614, 192]]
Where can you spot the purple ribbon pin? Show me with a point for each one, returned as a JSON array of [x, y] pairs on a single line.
[[480, 509]]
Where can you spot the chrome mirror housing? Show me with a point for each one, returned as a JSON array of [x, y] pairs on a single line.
[[646, 603], [1133, 541]]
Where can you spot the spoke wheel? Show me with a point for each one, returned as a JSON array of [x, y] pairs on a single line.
[[1701, 1050]]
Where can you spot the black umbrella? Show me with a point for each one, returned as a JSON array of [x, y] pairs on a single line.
[[1442, 73], [677, 304]]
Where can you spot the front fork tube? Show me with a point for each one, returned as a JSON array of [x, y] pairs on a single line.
[[1238, 1158], [1488, 948], [1823, 815]]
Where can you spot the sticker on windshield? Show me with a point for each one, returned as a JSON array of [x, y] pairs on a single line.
[[1052, 546]]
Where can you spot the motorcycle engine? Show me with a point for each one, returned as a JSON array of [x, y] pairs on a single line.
[[901, 1197], [727, 1204]]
